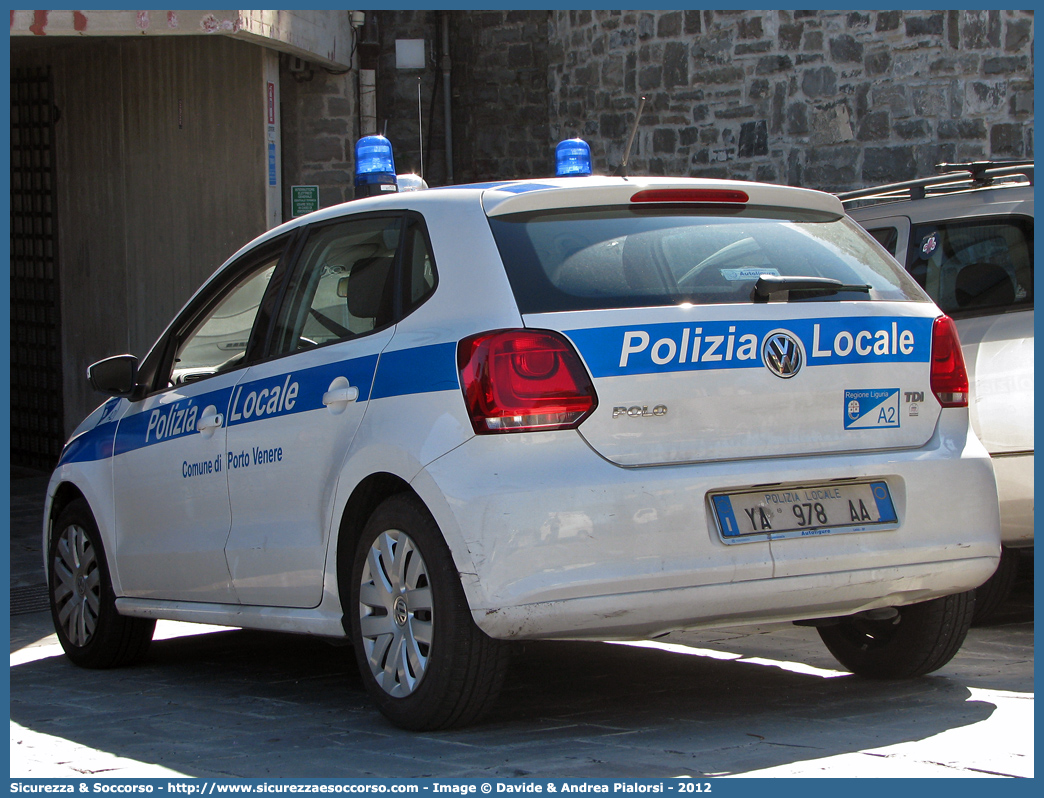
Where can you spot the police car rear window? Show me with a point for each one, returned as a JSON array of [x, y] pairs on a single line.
[[599, 258]]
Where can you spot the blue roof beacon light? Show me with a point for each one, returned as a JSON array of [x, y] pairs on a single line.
[[374, 167], [572, 158]]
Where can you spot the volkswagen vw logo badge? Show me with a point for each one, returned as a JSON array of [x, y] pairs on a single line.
[[782, 354]]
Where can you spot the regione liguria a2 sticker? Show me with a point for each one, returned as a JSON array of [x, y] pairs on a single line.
[[871, 408]]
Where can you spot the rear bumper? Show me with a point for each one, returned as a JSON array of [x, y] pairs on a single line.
[[1015, 490], [553, 541], [651, 613]]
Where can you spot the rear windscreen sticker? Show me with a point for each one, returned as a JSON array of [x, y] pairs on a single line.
[[872, 408], [739, 275]]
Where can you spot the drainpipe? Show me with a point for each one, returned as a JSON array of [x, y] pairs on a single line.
[[448, 114], [369, 55]]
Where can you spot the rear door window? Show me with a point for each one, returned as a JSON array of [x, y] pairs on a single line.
[[887, 237], [974, 266], [353, 277], [623, 257], [343, 286]]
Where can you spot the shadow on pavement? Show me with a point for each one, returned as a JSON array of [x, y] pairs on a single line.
[[253, 704]]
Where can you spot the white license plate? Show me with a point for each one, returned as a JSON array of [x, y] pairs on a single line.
[[803, 511]]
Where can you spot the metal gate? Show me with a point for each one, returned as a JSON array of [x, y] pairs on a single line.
[[37, 423]]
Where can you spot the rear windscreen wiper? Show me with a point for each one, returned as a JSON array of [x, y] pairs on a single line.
[[769, 284]]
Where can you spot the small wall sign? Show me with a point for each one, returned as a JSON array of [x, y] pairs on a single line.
[[304, 199]]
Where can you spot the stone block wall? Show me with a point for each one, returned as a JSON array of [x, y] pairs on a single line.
[[397, 94], [500, 67], [825, 99], [498, 87], [499, 97], [319, 126]]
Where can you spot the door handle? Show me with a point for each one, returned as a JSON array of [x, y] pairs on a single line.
[[210, 422], [339, 395]]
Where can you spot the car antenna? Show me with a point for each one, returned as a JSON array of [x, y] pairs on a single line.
[[420, 127], [621, 170]]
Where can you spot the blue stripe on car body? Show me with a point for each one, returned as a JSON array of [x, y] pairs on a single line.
[[94, 444], [714, 345], [422, 369], [608, 352]]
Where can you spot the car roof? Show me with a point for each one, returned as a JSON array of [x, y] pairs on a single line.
[[957, 186], [517, 196], [514, 196], [1002, 200]]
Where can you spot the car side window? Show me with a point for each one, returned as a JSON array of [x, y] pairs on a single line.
[[420, 265], [887, 237], [974, 265], [345, 284], [217, 341]]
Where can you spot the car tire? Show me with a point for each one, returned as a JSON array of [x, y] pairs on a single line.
[[920, 639], [83, 605], [423, 660], [991, 594]]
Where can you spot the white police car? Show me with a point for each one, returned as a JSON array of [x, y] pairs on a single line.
[[577, 408]]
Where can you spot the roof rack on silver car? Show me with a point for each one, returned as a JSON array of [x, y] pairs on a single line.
[[952, 177]]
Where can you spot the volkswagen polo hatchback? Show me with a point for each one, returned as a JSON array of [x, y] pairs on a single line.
[[576, 408]]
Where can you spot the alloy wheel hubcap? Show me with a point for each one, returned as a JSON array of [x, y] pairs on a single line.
[[395, 613], [76, 585], [402, 613]]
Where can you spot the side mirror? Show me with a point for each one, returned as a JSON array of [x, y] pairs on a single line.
[[114, 376]]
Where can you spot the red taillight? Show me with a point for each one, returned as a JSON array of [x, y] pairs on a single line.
[[714, 196], [523, 380], [949, 376]]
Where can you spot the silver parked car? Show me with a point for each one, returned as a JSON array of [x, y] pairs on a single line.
[[966, 236]]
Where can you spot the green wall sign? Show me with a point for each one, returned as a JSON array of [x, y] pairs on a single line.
[[304, 199]]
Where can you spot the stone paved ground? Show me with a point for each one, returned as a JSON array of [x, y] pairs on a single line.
[[764, 701], [27, 496]]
